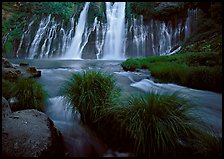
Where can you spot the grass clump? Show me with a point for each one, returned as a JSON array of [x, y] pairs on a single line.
[[28, 92], [130, 64], [7, 88], [90, 92], [159, 125]]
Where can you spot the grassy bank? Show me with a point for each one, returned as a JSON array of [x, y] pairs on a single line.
[[200, 70]]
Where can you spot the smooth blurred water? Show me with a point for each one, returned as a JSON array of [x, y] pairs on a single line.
[[79, 140]]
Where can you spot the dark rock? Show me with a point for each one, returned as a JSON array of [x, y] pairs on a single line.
[[31, 69], [5, 108], [37, 74], [9, 73], [13, 102], [6, 63], [30, 133], [22, 70], [23, 64]]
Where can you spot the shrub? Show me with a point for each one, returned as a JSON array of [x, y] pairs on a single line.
[[130, 64], [158, 125], [7, 88], [30, 94], [90, 92]]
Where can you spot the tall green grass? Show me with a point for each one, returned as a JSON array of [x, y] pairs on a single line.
[[158, 125], [29, 93], [89, 92]]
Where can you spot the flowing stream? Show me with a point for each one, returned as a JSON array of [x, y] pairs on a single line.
[[78, 139]]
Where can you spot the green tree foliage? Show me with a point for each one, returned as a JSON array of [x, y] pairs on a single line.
[[17, 14], [64, 9]]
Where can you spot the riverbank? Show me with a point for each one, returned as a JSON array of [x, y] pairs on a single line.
[[199, 70]]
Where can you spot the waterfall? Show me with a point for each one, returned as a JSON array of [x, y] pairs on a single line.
[[100, 38], [39, 35], [114, 40], [87, 34], [74, 51]]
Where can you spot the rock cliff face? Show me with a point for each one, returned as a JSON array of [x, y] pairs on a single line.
[[29, 133]]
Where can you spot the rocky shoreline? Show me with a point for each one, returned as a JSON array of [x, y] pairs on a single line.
[[28, 132]]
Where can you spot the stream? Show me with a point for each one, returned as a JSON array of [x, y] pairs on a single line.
[[78, 139]]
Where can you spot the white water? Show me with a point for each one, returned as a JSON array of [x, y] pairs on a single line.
[[39, 35], [114, 40], [74, 51], [100, 37]]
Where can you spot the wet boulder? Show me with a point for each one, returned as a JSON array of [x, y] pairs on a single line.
[[23, 64], [10, 73], [31, 69], [30, 133], [6, 63]]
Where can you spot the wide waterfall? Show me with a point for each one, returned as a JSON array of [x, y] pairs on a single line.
[[117, 37]]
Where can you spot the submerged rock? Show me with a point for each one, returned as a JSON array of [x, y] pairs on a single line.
[[30, 133], [23, 64]]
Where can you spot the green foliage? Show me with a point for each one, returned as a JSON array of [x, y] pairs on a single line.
[[201, 70], [170, 71], [7, 88], [158, 125], [29, 93], [90, 92], [64, 9], [140, 8], [18, 14], [130, 64]]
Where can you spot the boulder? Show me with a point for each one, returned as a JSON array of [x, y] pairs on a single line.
[[30, 133], [10, 73], [6, 110], [23, 64], [31, 69], [6, 63]]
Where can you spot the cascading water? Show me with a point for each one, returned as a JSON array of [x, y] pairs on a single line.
[[74, 51], [39, 35], [115, 30], [100, 34], [116, 38]]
